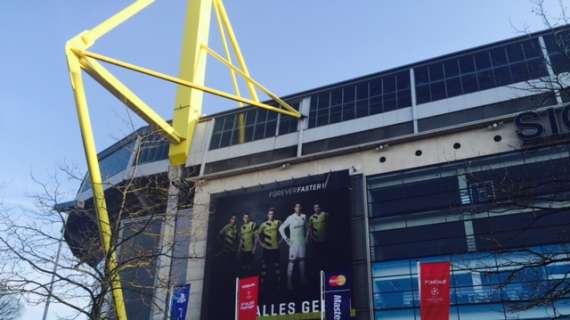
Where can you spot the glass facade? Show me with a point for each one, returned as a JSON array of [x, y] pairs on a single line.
[[253, 124], [493, 66], [484, 69], [501, 221], [153, 147], [361, 98], [112, 164], [558, 48]]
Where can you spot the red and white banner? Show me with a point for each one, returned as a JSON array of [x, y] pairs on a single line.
[[247, 298], [434, 291]]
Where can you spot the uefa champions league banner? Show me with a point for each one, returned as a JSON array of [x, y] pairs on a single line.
[[284, 233]]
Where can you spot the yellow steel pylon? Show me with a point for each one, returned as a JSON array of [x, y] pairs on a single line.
[[187, 109]]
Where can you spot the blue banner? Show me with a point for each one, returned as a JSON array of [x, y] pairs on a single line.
[[337, 296], [179, 303]]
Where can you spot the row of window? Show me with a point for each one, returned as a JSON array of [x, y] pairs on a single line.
[[361, 99], [485, 69], [253, 124]]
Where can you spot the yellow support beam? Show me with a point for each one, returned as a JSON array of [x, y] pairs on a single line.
[[292, 113], [187, 111], [103, 220], [124, 94], [106, 26], [273, 96], [188, 107], [241, 61]]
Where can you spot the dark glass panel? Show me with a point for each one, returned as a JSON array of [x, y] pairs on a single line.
[[312, 118], [503, 76], [451, 68], [389, 84], [336, 114], [219, 124], [482, 60], [437, 90], [259, 132], [422, 94], [248, 133], [376, 105], [403, 80], [362, 90], [215, 140], [469, 83], [229, 122], [499, 56], [560, 63], [466, 64], [271, 128], [515, 53], [536, 68], [314, 100], [421, 75], [375, 87], [324, 100], [389, 101], [453, 86], [519, 72], [336, 97], [404, 98], [348, 111], [250, 117], [323, 117], [362, 108], [226, 138], [436, 72], [486, 79], [348, 93], [532, 49]]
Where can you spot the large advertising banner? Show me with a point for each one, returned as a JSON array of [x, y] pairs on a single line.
[[434, 290], [285, 233]]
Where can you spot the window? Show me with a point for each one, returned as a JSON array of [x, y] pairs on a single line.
[[484, 69], [558, 47]]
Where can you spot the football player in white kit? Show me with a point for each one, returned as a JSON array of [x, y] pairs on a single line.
[[297, 224]]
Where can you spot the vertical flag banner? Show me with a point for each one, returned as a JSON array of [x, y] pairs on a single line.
[[337, 296], [179, 303], [247, 298], [434, 290]]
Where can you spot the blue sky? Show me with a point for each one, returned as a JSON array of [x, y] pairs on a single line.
[[290, 46]]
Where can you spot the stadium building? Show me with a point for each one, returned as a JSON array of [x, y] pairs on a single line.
[[461, 158]]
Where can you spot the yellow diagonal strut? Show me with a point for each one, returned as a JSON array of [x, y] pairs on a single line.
[[187, 110]]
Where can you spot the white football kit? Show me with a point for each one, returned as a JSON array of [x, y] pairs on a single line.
[[297, 231]]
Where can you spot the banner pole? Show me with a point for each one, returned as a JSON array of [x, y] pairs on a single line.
[[237, 300], [322, 295], [418, 267]]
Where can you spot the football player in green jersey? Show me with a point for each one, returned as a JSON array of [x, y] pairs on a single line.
[[247, 243], [228, 237], [267, 236], [317, 235]]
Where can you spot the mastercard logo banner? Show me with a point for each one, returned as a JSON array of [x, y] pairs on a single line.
[[337, 281]]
